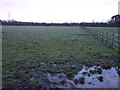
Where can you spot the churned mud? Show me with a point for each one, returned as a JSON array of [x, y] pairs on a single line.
[[88, 77]]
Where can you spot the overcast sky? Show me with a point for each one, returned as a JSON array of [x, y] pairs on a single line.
[[58, 10]]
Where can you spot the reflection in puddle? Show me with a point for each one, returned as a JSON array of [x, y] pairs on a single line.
[[93, 77], [42, 63]]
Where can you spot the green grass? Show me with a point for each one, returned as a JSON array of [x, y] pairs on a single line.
[[24, 47], [110, 30], [107, 32]]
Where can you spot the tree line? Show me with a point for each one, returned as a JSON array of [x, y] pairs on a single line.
[[114, 22], [18, 23]]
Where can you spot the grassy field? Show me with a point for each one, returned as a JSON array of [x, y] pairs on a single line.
[[109, 30], [33, 51]]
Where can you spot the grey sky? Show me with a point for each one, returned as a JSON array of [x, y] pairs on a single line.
[[58, 10]]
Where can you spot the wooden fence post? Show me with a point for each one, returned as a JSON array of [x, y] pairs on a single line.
[[110, 41], [102, 36], [107, 38]]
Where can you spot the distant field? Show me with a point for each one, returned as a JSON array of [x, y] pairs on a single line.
[[31, 52]]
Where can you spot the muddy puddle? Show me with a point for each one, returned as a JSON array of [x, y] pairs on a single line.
[[88, 77]]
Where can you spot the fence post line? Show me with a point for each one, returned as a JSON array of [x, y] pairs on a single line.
[[108, 39], [102, 36]]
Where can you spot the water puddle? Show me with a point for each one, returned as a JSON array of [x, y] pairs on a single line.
[[42, 63], [88, 77]]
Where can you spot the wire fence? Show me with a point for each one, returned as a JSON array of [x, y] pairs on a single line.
[[111, 41]]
